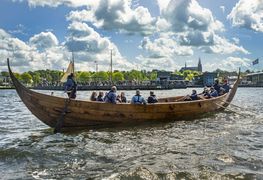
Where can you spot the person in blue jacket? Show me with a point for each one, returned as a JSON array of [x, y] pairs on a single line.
[[226, 86], [194, 95], [137, 98], [71, 86], [111, 96], [213, 92], [217, 86]]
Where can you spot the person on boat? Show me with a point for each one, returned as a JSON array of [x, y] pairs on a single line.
[[206, 94], [194, 95], [93, 96], [152, 98], [221, 91], [217, 86], [111, 96], [100, 96], [123, 98], [137, 98], [71, 86], [213, 92], [226, 86]]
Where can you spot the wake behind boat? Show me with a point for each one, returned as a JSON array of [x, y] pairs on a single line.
[[53, 110]]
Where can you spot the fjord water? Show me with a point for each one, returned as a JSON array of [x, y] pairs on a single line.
[[221, 145]]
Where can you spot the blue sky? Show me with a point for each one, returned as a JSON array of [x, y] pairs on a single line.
[[143, 34]]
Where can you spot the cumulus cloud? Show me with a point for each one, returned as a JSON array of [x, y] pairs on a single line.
[[89, 46], [186, 15], [223, 46], [56, 3], [117, 15], [195, 26], [31, 56], [164, 46], [44, 40], [229, 64], [248, 14]]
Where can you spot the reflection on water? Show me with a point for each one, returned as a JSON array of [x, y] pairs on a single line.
[[223, 145]]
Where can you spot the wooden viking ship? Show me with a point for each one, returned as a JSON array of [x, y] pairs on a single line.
[[62, 112]]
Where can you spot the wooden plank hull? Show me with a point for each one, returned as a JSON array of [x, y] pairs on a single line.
[[87, 113]]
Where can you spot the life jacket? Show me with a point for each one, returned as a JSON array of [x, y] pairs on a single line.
[[138, 100]]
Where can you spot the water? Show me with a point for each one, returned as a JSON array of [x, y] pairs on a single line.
[[225, 145]]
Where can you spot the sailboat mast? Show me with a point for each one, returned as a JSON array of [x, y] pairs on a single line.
[[73, 63], [111, 65]]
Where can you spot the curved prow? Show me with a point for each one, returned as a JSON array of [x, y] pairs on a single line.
[[16, 83], [233, 90]]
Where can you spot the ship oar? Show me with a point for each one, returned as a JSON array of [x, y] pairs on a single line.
[[60, 121], [228, 109]]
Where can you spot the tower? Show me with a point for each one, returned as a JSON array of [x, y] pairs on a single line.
[[199, 67]]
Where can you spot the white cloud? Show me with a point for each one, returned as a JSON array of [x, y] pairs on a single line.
[[195, 26], [223, 46], [186, 15], [56, 3], [90, 46], [117, 15], [223, 8], [44, 40], [31, 56], [248, 14], [229, 64], [164, 46]]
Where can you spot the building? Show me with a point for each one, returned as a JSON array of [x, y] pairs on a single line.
[[198, 68], [209, 78], [163, 75], [255, 78]]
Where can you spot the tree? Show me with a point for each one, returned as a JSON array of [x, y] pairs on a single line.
[[36, 78], [118, 76], [5, 73], [83, 76], [101, 75], [26, 77]]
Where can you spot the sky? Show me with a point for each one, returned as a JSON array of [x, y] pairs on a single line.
[[142, 34]]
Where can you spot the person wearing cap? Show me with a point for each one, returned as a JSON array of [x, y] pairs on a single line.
[[111, 96], [226, 86], [152, 98], [137, 98], [213, 92], [71, 86]]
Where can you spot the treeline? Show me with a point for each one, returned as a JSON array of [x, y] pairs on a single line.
[[54, 76]]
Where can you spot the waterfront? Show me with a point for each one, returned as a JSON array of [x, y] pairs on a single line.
[[221, 145]]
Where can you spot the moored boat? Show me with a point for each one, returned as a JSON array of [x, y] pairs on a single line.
[[57, 111]]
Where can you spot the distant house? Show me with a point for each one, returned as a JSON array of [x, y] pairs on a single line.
[[198, 68], [4, 80], [163, 75], [209, 78], [255, 78], [176, 77]]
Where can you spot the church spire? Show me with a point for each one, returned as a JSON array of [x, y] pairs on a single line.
[[199, 65]]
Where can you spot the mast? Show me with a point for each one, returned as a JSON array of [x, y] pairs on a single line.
[[73, 62], [111, 66]]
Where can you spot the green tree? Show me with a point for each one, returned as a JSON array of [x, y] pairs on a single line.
[[118, 76], [100, 76], [83, 76], [26, 78], [5, 73], [36, 78]]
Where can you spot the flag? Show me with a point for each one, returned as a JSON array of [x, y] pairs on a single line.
[[68, 72], [255, 62]]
